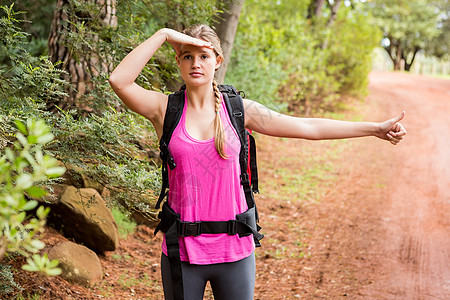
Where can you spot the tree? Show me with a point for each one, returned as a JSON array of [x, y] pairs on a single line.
[[226, 27], [80, 65], [408, 27], [440, 46], [315, 9]]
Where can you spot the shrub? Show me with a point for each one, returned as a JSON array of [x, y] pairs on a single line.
[[7, 284], [22, 169], [303, 65]]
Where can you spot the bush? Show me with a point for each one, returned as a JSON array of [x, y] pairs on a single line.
[[22, 169], [7, 284], [308, 65], [111, 147]]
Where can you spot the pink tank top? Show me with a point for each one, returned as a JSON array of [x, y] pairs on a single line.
[[206, 187]]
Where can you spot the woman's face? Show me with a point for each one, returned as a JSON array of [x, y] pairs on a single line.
[[197, 64]]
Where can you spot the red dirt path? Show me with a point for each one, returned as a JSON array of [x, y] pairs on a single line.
[[416, 216], [374, 225], [383, 230]]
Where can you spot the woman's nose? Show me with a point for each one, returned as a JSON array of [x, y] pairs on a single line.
[[195, 62]]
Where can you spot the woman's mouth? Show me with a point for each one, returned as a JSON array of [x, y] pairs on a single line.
[[196, 74]]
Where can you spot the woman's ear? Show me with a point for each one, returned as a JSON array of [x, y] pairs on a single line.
[[177, 58], [219, 61]]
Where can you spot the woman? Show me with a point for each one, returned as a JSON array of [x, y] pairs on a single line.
[[205, 137]]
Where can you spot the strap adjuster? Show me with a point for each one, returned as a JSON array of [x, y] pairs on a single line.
[[189, 228], [245, 179], [232, 227]]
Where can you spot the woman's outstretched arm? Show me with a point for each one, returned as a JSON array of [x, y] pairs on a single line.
[[263, 120]]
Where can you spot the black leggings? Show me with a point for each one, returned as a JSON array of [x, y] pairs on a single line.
[[229, 281]]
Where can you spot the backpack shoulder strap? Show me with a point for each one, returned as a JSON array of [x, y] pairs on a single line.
[[174, 110], [235, 107]]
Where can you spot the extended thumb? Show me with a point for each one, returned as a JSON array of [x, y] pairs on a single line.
[[399, 117]]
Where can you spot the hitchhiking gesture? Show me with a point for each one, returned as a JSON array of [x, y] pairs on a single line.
[[209, 219]]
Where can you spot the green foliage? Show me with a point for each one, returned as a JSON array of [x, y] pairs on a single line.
[[261, 51], [352, 40], [37, 17], [124, 224], [440, 46], [7, 284], [42, 264], [309, 67], [25, 81], [412, 22], [22, 169], [111, 147], [408, 26], [112, 150]]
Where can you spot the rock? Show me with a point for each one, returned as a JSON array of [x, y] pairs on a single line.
[[142, 218], [82, 214], [90, 183], [77, 177], [78, 263], [73, 176]]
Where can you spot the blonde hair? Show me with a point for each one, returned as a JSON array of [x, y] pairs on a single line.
[[206, 33]]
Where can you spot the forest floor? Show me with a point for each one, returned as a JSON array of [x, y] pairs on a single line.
[[353, 219]]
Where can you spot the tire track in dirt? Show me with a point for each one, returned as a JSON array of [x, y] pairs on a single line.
[[416, 262]]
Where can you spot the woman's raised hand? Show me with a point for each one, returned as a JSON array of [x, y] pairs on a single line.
[[391, 130], [176, 39]]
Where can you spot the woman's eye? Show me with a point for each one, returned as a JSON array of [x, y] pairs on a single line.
[[187, 57], [205, 56]]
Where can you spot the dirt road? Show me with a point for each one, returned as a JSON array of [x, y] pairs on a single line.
[[382, 229], [415, 248]]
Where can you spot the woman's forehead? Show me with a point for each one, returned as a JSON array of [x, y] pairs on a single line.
[[195, 49]]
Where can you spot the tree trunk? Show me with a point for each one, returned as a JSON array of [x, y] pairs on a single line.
[[2, 248], [315, 9], [331, 19], [398, 58], [395, 52], [226, 26], [334, 12], [408, 65], [80, 68]]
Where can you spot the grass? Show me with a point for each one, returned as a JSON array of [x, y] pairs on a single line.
[[125, 226], [306, 176]]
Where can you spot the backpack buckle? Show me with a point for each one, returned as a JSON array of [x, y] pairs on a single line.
[[232, 227], [189, 229], [171, 162]]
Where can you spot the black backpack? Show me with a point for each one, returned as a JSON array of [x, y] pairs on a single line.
[[246, 223]]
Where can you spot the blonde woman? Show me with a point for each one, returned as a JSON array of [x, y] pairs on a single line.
[[205, 135]]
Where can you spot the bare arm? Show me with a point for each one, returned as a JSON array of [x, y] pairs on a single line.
[[150, 104], [263, 120]]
